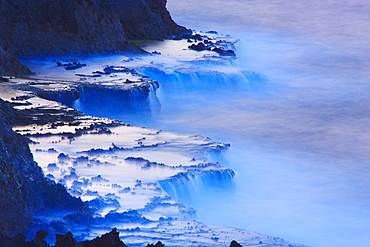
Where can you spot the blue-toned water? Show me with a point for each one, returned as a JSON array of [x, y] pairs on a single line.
[[301, 136], [297, 115]]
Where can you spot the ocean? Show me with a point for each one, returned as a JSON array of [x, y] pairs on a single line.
[[294, 106], [299, 130]]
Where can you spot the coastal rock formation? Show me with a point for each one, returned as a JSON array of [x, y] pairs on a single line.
[[146, 19], [10, 65], [24, 191], [60, 27], [81, 26], [110, 239]]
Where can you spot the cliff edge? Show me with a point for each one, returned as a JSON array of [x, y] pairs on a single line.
[[75, 27], [59, 27], [24, 189]]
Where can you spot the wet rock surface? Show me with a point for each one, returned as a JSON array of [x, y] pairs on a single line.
[[111, 149], [122, 172], [24, 189]]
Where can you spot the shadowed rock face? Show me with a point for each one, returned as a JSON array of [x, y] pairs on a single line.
[[81, 26], [24, 191], [110, 239], [60, 27], [146, 19], [75, 27], [10, 65]]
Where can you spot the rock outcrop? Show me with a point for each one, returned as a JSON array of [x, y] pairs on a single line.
[[110, 239], [24, 191], [10, 65], [62, 27], [146, 19]]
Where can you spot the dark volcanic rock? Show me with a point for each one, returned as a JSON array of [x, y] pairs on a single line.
[[40, 239], [110, 239], [24, 191], [10, 65], [223, 52], [235, 244], [60, 27], [81, 26], [158, 244], [146, 19], [66, 240], [199, 47]]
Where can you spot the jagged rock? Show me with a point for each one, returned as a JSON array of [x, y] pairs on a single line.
[[61, 27], [40, 239], [147, 19], [224, 52], [128, 216], [63, 157], [99, 203], [235, 244], [10, 65], [66, 240], [24, 191], [65, 27], [189, 36], [2, 79], [212, 32], [110, 239], [71, 66], [199, 47], [158, 244], [74, 66]]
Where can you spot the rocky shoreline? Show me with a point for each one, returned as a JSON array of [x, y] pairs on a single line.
[[75, 191], [70, 28], [37, 118], [53, 127]]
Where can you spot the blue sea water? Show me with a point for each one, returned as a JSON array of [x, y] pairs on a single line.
[[300, 138], [298, 123]]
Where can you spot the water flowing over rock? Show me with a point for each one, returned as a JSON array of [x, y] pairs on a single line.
[[188, 185], [129, 177]]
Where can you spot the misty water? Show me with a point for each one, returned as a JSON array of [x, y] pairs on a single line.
[[294, 106], [299, 133]]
